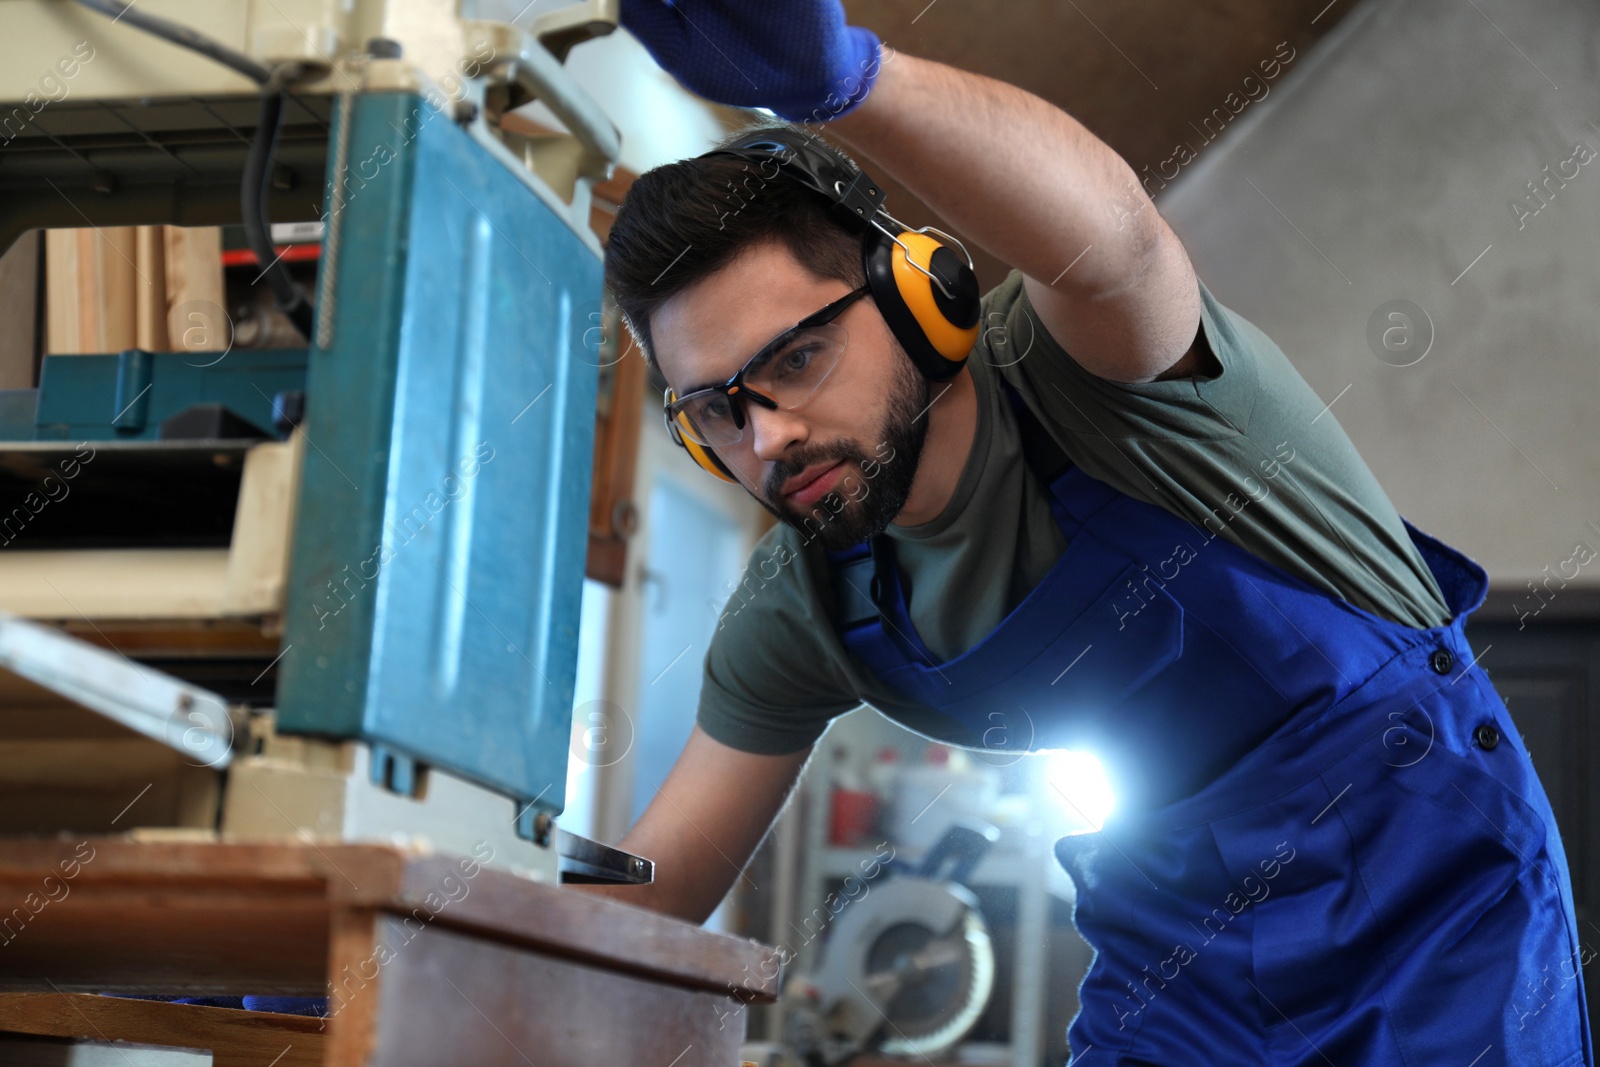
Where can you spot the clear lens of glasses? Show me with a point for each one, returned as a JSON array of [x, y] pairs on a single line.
[[788, 374]]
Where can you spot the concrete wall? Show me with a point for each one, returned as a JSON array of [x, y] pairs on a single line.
[[1392, 163]]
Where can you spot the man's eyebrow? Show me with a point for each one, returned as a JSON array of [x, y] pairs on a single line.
[[764, 351], [700, 387]]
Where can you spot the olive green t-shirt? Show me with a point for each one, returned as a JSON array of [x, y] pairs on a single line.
[[1251, 452]]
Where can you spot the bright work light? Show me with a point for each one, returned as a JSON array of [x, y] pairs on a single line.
[[1079, 784]]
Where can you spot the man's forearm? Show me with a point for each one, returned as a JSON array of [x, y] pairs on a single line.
[[1013, 172]]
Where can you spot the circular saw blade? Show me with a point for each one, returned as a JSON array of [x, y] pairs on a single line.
[[944, 982]]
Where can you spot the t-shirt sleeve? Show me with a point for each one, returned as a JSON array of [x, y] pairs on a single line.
[[1250, 451], [1216, 405], [771, 680]]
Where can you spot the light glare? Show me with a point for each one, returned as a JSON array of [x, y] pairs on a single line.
[[1079, 785]]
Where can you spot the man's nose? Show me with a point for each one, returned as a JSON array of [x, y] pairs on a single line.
[[772, 432]]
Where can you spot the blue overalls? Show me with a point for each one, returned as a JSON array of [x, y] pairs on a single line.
[[1329, 847]]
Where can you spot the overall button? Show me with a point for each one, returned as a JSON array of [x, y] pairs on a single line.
[[1486, 736], [1441, 661]]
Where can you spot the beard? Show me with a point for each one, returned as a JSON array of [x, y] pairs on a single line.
[[867, 498]]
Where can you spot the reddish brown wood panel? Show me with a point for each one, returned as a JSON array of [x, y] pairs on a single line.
[[104, 936], [355, 980], [592, 929], [235, 1038], [110, 914], [612, 513], [495, 1007]]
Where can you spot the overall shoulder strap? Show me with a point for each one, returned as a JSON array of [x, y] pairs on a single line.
[[865, 576], [854, 571]]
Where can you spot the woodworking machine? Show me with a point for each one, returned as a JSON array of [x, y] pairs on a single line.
[[398, 506]]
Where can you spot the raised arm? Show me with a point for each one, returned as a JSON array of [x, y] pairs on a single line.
[[1025, 180], [1106, 274], [704, 824]]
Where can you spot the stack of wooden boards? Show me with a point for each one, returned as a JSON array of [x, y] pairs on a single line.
[[112, 288]]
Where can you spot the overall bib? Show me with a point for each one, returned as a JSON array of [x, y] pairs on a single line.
[[1329, 845]]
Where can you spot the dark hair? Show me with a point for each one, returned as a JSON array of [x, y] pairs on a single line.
[[684, 221]]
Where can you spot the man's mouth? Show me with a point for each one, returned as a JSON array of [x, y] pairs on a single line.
[[808, 487]]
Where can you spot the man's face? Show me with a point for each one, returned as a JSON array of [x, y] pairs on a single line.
[[840, 467]]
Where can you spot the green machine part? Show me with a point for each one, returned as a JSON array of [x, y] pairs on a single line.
[[439, 549]]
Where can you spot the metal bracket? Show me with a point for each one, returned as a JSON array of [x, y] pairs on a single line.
[[559, 30], [194, 721], [528, 71], [396, 773], [587, 862]]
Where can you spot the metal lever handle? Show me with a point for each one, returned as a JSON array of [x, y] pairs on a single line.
[[532, 72], [561, 29]]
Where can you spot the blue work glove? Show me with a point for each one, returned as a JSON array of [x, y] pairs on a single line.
[[797, 58]]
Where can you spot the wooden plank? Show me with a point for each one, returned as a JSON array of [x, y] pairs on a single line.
[[62, 324], [235, 1038], [293, 866], [85, 762], [158, 801], [253, 917], [601, 216], [19, 1050], [19, 295], [184, 638], [616, 187], [150, 940], [607, 560], [106, 280], [355, 982], [150, 294], [197, 318], [66, 768], [616, 454], [87, 294], [93, 933]]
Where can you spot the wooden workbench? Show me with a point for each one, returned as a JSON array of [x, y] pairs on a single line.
[[427, 959]]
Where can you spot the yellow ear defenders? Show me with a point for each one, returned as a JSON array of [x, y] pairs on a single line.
[[926, 292]]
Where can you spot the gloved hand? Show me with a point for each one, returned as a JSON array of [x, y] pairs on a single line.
[[796, 58]]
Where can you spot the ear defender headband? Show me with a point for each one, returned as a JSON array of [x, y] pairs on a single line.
[[926, 292]]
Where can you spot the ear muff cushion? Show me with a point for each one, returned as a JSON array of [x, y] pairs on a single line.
[[936, 331], [704, 458]]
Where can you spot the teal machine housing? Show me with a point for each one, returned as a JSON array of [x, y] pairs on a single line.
[[439, 550], [439, 544], [130, 395]]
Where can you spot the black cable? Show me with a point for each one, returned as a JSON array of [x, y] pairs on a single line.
[[253, 203], [182, 36], [258, 164]]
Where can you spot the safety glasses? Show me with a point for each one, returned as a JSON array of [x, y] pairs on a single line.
[[782, 375]]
